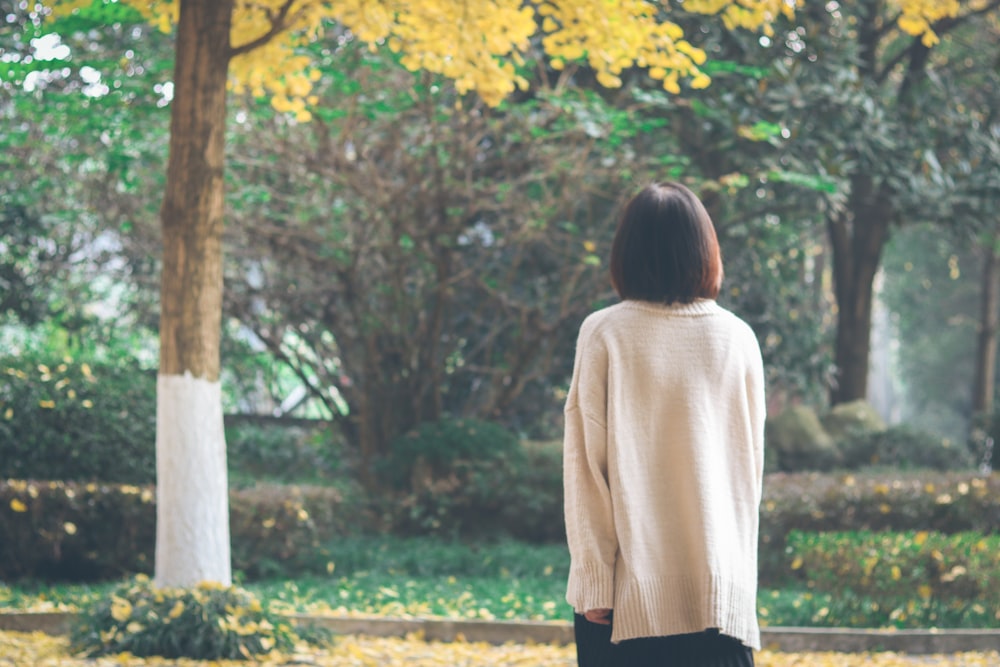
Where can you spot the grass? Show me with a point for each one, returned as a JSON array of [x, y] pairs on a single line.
[[507, 580]]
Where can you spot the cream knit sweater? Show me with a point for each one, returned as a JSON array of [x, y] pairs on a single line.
[[663, 464]]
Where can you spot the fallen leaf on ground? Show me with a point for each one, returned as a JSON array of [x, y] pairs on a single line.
[[39, 650]]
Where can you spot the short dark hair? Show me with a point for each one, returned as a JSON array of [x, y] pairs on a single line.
[[665, 248]]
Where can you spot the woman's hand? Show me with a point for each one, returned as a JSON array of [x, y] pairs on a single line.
[[599, 616]]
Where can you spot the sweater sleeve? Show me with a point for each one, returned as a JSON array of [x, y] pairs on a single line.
[[758, 412], [590, 529]]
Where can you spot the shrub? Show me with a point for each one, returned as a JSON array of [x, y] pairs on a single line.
[[90, 532], [452, 476], [282, 530], [533, 510], [798, 442], [75, 532], [903, 447], [899, 567], [85, 532], [811, 502], [208, 622], [852, 419], [282, 452], [73, 421]]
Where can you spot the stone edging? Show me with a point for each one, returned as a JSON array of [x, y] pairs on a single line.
[[915, 642]]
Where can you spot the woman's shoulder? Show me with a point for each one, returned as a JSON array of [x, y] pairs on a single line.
[[604, 319]]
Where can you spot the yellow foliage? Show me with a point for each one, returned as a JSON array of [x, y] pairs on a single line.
[[918, 16], [480, 45], [18, 506]]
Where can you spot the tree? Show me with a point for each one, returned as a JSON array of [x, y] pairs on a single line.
[[475, 44], [860, 93], [439, 258]]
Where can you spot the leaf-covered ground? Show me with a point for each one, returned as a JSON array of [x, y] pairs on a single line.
[[39, 650]]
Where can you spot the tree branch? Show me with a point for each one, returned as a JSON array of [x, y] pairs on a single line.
[[279, 22]]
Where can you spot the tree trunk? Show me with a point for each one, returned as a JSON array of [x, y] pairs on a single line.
[[192, 531], [857, 238], [986, 345]]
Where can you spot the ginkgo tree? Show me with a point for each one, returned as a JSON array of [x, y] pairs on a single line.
[[486, 47]]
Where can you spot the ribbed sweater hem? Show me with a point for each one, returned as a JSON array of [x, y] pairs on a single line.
[[591, 586], [681, 605]]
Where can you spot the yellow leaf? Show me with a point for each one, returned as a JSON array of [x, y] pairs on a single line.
[[18, 506], [701, 81], [121, 609]]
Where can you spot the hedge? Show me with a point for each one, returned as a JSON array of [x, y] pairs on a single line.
[[950, 579], [928, 501], [57, 530], [86, 532]]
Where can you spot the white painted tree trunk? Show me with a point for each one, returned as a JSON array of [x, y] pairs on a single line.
[[192, 483]]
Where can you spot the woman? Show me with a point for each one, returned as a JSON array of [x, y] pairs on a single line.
[[664, 453]]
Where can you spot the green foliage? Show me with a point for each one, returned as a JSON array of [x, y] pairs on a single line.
[[504, 579], [533, 508], [88, 532], [71, 420], [814, 503], [983, 439], [902, 569], [436, 557], [24, 251], [793, 607], [64, 531], [283, 453], [852, 419], [208, 622], [450, 476], [799, 441], [904, 448], [932, 288], [284, 530]]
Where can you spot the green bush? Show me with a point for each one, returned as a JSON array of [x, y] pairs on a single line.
[[283, 530], [852, 419], [75, 532], [452, 476], [533, 508], [85, 532], [806, 608], [208, 622], [904, 448], [797, 441], [73, 421], [926, 501], [89, 532], [274, 451], [900, 567]]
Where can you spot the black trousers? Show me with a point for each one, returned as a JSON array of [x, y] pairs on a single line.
[[701, 649]]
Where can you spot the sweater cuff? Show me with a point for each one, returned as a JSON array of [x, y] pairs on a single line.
[[591, 586]]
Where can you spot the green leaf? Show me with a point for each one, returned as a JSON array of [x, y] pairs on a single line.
[[813, 182]]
